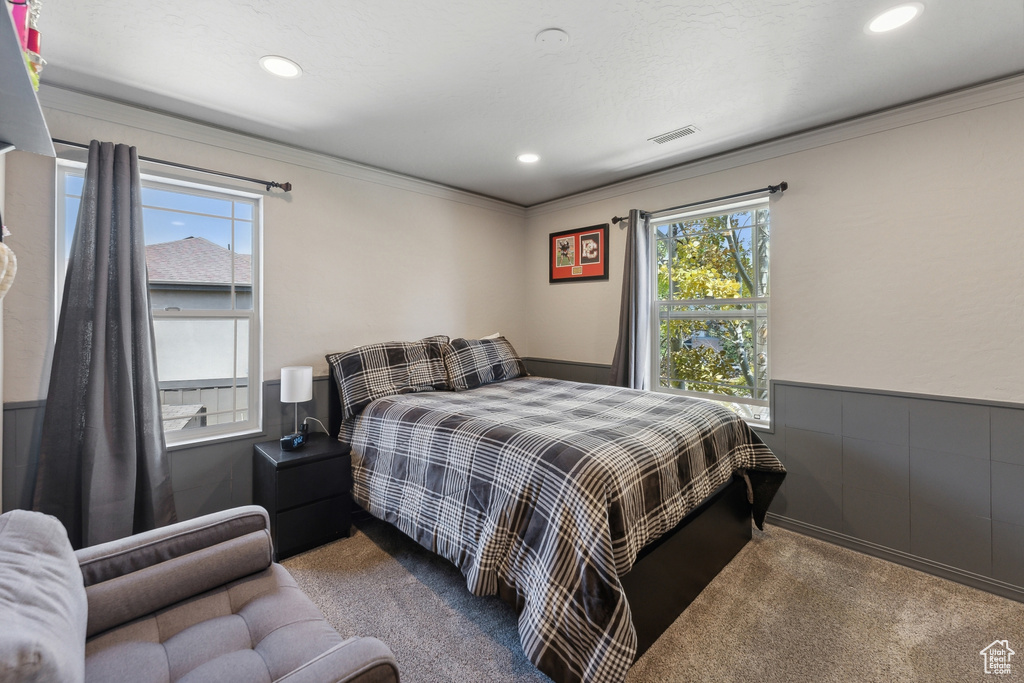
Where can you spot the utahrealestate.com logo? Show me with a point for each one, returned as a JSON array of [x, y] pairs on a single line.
[[997, 657]]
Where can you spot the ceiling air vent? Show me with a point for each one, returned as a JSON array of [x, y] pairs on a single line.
[[674, 134]]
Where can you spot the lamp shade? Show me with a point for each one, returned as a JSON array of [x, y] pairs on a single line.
[[296, 383]]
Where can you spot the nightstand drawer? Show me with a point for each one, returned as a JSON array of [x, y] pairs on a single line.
[[306, 491], [306, 527], [313, 481]]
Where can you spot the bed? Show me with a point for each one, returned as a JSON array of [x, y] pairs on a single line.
[[597, 512]]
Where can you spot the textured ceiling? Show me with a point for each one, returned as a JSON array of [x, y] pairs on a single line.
[[452, 90]]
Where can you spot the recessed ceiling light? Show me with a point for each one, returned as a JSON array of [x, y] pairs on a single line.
[[280, 66], [894, 17], [528, 158]]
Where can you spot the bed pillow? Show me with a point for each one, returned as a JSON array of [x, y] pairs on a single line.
[[471, 363], [369, 372]]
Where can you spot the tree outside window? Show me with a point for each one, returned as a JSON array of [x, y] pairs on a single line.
[[712, 306]]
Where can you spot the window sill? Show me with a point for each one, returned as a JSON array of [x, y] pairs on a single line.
[[214, 439], [766, 427]]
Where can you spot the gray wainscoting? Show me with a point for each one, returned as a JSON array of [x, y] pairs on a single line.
[[592, 373], [205, 478], [933, 482]]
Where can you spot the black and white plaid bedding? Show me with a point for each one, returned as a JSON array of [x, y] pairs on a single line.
[[471, 363], [369, 372], [544, 491]]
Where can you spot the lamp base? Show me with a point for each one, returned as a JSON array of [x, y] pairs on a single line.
[[292, 441]]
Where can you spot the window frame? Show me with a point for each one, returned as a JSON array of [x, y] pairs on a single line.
[[253, 316], [707, 210]]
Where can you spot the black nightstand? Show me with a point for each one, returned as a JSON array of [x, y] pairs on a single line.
[[308, 492]]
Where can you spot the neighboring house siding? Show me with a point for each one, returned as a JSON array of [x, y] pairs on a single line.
[[206, 297], [195, 356]]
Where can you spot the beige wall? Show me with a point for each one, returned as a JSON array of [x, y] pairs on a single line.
[[895, 256], [351, 256], [896, 253]]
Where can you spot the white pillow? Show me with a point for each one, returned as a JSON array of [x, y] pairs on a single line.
[[42, 604], [492, 336]]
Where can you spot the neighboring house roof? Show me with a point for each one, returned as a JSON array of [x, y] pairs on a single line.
[[196, 260]]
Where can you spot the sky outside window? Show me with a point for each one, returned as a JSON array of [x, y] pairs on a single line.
[[169, 216]]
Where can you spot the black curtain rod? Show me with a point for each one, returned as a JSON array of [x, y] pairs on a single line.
[[287, 187], [771, 189]]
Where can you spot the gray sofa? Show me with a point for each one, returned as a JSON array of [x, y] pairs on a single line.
[[192, 602]]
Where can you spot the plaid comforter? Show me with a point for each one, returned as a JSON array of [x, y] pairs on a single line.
[[544, 491]]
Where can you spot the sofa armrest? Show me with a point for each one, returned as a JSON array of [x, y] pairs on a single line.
[[357, 660], [131, 577], [116, 558]]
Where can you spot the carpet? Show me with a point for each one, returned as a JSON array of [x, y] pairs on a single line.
[[787, 608]]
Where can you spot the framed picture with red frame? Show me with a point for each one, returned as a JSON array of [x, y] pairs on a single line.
[[580, 254]]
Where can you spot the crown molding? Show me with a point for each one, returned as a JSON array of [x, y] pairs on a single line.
[[949, 104], [82, 104]]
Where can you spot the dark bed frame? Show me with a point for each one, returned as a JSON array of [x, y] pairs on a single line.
[[671, 572]]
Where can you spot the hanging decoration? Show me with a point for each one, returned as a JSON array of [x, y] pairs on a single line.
[[25, 14], [578, 254], [8, 261], [8, 267]]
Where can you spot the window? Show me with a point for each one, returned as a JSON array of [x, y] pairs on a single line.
[[712, 306], [202, 256]]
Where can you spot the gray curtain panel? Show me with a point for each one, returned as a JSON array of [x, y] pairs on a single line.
[[632, 362], [103, 467]]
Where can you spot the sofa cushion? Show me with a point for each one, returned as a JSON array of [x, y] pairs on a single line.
[[258, 628], [42, 601]]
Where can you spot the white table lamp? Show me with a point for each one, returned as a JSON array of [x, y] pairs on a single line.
[[296, 387]]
